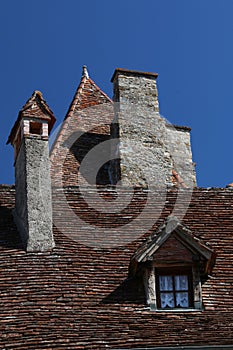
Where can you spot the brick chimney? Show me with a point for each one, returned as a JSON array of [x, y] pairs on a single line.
[[140, 129], [33, 208]]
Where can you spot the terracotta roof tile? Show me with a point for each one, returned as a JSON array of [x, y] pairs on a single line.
[[87, 94], [80, 297], [89, 116]]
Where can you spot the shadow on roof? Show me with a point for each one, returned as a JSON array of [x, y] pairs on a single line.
[[9, 236], [130, 291]]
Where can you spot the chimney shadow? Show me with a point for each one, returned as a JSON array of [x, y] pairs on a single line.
[[9, 236], [80, 146]]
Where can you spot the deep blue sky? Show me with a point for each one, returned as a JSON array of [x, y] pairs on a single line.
[[45, 43]]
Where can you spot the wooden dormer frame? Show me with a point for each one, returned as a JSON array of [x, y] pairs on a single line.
[[201, 262]]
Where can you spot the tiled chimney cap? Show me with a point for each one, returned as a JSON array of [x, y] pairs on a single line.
[[133, 72], [35, 107]]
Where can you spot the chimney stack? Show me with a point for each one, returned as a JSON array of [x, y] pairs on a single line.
[[143, 157], [33, 208]]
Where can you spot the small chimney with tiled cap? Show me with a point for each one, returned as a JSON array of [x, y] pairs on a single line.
[[33, 208]]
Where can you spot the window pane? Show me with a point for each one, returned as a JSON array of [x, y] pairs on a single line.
[[182, 299], [167, 300], [181, 282], [165, 283]]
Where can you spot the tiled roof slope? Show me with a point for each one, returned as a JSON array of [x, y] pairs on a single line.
[[88, 94], [86, 124], [80, 297]]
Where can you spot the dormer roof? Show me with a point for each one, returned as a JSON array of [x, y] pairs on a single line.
[[173, 227]]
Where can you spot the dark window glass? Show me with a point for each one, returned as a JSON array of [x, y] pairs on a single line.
[[174, 288]]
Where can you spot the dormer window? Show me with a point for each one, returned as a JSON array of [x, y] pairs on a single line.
[[174, 264], [174, 288]]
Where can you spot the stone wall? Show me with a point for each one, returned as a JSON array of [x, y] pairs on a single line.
[[149, 149], [137, 88], [179, 146], [141, 131]]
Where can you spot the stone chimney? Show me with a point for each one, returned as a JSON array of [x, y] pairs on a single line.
[[150, 151], [140, 129], [33, 208]]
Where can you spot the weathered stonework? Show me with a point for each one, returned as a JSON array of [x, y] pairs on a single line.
[[179, 146], [33, 213], [136, 88], [149, 149], [141, 130]]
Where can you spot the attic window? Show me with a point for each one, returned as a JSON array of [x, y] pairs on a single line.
[[174, 288], [35, 128], [174, 264]]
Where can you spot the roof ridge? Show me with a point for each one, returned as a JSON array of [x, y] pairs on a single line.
[[99, 89], [68, 114], [76, 96], [78, 92]]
